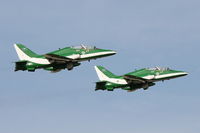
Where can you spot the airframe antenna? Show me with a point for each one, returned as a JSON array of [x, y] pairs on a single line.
[[83, 46]]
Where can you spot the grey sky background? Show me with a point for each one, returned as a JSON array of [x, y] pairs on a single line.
[[144, 33]]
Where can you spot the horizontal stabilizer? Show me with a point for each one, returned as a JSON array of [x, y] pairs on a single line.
[[20, 65], [100, 85]]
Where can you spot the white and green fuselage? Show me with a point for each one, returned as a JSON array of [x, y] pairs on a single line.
[[68, 57], [142, 78]]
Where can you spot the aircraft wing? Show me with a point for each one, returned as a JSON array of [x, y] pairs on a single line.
[[135, 80], [53, 58]]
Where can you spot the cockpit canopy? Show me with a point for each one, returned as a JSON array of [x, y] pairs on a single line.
[[159, 69], [84, 47]]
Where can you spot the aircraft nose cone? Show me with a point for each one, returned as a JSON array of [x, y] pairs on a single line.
[[113, 52], [110, 52], [183, 74]]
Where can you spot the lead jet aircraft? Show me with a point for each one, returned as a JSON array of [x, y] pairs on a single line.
[[143, 78], [66, 58]]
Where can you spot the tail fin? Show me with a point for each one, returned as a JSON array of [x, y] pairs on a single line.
[[103, 73], [23, 52]]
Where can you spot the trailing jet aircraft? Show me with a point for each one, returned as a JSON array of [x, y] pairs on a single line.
[[66, 58], [143, 78]]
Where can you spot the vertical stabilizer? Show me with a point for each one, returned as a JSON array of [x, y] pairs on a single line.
[[23, 52], [103, 73]]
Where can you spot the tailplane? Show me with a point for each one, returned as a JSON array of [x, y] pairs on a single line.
[[103, 73], [23, 52]]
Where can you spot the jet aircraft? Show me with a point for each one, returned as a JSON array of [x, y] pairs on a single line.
[[143, 78], [66, 58]]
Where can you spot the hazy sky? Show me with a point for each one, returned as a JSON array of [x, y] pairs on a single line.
[[145, 33]]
